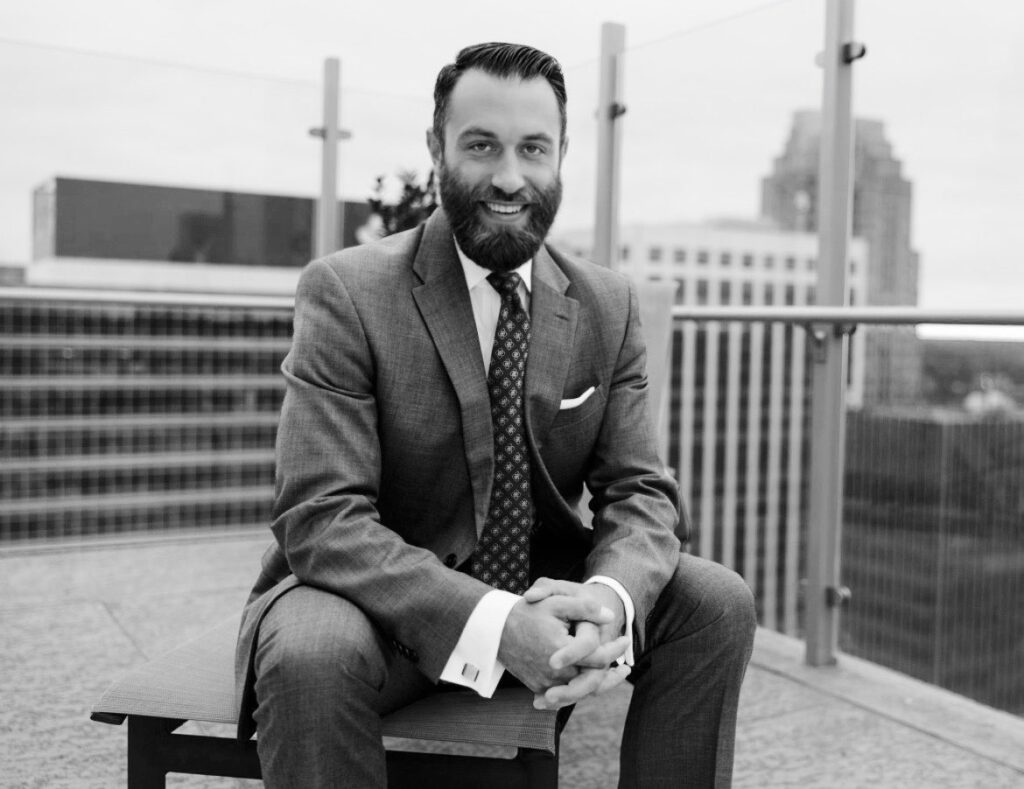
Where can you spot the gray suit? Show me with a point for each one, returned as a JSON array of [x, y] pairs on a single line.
[[385, 449]]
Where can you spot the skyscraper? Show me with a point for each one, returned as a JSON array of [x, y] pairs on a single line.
[[882, 205]]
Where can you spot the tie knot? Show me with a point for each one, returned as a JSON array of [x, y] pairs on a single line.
[[505, 283]]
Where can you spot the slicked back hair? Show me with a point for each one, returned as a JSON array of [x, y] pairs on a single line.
[[499, 60]]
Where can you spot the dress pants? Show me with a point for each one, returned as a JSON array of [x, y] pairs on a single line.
[[325, 675]]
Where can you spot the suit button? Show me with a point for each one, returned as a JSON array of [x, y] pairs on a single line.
[[450, 560]]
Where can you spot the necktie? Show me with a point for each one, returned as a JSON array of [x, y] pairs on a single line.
[[502, 557]]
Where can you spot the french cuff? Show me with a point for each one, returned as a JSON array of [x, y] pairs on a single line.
[[627, 604], [474, 661]]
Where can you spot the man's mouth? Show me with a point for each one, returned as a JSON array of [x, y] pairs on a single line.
[[505, 209]]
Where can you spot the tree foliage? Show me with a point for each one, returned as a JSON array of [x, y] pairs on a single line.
[[415, 203]]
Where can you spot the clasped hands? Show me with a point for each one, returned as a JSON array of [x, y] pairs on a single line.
[[562, 640]]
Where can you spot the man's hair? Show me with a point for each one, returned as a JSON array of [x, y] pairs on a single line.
[[500, 60]]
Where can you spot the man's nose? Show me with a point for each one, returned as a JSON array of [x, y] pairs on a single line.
[[508, 177]]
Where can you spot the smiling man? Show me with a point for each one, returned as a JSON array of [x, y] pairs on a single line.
[[451, 390]]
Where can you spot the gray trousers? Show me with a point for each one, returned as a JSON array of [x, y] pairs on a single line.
[[325, 675]]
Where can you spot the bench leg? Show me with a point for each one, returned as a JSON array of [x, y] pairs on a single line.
[[529, 770], [146, 737]]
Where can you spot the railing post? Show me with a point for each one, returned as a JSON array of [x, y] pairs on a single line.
[[330, 230], [609, 145], [828, 407]]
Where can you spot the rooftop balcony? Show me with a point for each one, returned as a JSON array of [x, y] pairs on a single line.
[[135, 472], [73, 620]]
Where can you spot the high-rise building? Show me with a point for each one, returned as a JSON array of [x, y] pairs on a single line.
[[933, 548], [882, 206], [738, 402]]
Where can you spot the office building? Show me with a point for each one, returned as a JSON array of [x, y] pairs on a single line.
[[738, 406], [882, 213], [933, 548]]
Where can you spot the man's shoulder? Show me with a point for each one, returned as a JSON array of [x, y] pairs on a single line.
[[585, 276], [386, 257]]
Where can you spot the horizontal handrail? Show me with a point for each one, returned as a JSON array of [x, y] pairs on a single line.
[[891, 315], [897, 315], [157, 298]]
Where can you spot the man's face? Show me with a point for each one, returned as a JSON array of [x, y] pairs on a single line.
[[499, 167]]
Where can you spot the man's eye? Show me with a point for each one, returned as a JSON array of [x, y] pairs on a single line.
[[533, 150], [481, 147]]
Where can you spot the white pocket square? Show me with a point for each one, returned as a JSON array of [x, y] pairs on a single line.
[[574, 402]]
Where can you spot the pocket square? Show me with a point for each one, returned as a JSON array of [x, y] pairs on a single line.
[[574, 402]]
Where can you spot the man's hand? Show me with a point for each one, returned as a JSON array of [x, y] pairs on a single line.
[[595, 672], [537, 630]]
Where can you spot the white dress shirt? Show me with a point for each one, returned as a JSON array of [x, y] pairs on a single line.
[[474, 661]]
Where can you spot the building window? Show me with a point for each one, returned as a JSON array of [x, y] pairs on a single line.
[[748, 261], [680, 255], [790, 294], [769, 261], [654, 254], [680, 291], [724, 292], [811, 264], [702, 292], [625, 251], [748, 293], [769, 294], [725, 259], [702, 256]]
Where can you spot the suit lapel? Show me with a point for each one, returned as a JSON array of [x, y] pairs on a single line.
[[443, 302], [553, 318]]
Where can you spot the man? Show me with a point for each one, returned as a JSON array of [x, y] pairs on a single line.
[[450, 391]]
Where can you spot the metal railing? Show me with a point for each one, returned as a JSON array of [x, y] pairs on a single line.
[[129, 412]]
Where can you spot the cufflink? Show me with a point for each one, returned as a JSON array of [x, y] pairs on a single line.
[[470, 672]]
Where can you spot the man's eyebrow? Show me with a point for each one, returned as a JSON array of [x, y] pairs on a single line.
[[478, 131]]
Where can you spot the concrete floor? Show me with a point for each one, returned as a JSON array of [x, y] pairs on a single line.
[[71, 620]]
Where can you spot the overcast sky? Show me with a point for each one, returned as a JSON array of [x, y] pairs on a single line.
[[221, 93]]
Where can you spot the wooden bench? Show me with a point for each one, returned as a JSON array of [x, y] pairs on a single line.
[[451, 739]]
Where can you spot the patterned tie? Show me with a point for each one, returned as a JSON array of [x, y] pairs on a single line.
[[502, 557]]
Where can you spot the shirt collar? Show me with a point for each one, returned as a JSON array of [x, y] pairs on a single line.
[[475, 274]]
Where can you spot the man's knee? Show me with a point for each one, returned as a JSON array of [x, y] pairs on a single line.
[[315, 639], [716, 597]]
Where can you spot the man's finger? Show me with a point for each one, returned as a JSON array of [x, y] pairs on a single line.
[[579, 609], [603, 656], [586, 641], [614, 677], [579, 687], [547, 587]]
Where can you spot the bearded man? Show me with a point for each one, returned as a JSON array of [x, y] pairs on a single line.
[[450, 392]]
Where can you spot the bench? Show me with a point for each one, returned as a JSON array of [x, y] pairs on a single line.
[[452, 739]]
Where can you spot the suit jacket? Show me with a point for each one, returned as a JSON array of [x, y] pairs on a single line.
[[385, 448]]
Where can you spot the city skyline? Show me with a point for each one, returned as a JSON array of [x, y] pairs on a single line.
[[941, 86]]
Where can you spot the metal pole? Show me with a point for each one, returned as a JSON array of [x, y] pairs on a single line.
[[828, 407], [609, 144], [328, 232]]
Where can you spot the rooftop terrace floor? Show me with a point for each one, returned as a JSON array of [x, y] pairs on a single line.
[[72, 620]]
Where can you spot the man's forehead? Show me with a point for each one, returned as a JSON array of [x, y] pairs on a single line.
[[479, 97]]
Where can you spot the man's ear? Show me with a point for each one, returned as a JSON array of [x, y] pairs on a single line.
[[564, 148], [435, 148]]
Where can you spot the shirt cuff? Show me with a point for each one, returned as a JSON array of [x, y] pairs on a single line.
[[627, 604], [474, 661]]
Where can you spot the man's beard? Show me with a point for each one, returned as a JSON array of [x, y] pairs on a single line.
[[496, 247]]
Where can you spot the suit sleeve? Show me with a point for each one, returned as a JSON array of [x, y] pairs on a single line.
[[328, 479], [635, 501]]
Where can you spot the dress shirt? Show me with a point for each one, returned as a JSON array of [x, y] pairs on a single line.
[[474, 661]]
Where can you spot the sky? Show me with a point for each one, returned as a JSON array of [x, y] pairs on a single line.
[[221, 94]]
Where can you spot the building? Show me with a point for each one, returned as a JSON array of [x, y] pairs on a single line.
[[102, 234], [137, 416], [933, 548], [882, 208], [738, 407]]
